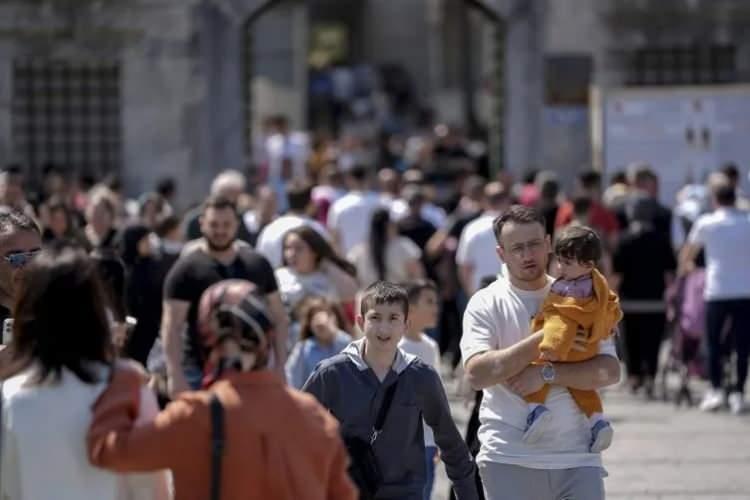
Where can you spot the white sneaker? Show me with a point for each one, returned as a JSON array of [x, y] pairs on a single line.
[[536, 424], [713, 400], [736, 403], [601, 436]]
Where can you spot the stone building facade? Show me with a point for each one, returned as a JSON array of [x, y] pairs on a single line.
[[155, 88]]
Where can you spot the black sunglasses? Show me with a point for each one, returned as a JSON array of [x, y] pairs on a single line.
[[18, 260]]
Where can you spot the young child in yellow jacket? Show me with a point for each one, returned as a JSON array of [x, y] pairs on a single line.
[[579, 299]]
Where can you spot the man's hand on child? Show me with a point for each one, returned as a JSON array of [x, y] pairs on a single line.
[[527, 382]]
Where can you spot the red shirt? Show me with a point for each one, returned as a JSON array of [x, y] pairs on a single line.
[[601, 218]]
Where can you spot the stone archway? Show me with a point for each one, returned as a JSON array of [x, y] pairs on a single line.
[[517, 74]]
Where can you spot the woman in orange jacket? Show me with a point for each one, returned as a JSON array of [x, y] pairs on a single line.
[[275, 442]]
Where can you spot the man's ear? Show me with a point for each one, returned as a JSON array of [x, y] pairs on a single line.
[[500, 252], [360, 320]]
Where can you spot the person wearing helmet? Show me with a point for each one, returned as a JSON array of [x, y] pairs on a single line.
[[246, 435]]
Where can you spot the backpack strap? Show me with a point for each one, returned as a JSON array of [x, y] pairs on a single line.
[[217, 445], [383, 412]]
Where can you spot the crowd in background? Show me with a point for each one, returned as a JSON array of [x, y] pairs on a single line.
[[332, 216], [325, 218]]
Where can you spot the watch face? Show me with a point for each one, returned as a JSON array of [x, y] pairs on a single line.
[[548, 373]]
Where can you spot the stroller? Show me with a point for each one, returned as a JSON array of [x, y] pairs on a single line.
[[686, 312]]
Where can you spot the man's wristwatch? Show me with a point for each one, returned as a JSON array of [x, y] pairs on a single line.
[[548, 373]]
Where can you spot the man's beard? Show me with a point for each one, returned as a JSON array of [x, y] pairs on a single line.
[[214, 247]]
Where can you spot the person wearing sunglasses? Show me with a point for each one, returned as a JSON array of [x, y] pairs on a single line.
[[20, 241]]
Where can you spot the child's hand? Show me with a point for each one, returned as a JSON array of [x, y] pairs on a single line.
[[581, 341], [549, 356]]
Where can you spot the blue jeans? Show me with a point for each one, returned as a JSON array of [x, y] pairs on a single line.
[[429, 461]]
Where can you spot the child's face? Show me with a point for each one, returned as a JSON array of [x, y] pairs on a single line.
[[571, 269], [323, 326], [383, 326], [424, 312]]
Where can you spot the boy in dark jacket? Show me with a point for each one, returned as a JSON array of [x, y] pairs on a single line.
[[352, 385]]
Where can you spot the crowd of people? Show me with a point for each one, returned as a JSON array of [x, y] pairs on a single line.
[[321, 274]]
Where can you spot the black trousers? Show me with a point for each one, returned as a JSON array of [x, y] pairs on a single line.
[[643, 335], [735, 316], [450, 331]]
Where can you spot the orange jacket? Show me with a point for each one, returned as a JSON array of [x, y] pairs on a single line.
[[279, 443], [560, 316]]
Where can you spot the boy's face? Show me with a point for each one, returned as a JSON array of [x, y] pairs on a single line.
[[383, 326], [571, 269], [423, 313]]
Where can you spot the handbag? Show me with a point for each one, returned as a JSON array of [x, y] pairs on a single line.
[[364, 469], [217, 446]]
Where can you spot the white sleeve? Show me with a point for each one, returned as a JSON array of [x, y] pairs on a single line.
[[697, 234], [479, 327], [436, 353], [608, 347], [333, 217], [463, 250], [10, 486], [264, 246]]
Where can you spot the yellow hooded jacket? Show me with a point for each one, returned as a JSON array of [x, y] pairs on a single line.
[[560, 317]]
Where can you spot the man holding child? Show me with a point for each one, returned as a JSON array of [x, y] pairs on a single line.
[[499, 347]]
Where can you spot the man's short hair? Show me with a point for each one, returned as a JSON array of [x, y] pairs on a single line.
[[581, 205], [383, 292], [579, 243], [218, 203], [415, 288], [731, 171], [495, 194], [724, 192], [413, 195], [517, 214], [638, 173], [358, 173], [232, 179], [590, 179], [14, 220], [166, 224], [298, 195]]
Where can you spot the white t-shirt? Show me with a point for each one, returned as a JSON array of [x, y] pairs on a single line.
[[428, 351], [294, 287], [44, 441], [271, 240], [725, 236], [498, 317], [350, 216], [294, 146], [398, 253], [476, 247]]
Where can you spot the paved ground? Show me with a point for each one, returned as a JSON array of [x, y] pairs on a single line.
[[662, 452]]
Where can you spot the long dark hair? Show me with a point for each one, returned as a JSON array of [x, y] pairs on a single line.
[[60, 320], [379, 240], [321, 248]]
